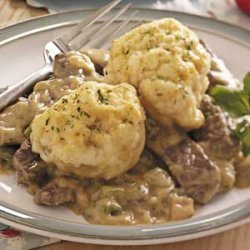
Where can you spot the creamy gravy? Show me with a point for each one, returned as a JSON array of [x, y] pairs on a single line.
[[243, 173], [147, 198], [145, 195]]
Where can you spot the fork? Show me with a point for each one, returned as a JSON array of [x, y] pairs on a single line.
[[74, 39]]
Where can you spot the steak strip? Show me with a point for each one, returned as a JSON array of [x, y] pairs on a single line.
[[30, 168], [196, 174], [217, 140]]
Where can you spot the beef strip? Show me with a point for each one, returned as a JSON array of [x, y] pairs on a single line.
[[30, 168], [217, 140], [54, 196], [48, 185], [215, 136], [63, 190], [148, 160], [75, 63], [58, 191], [196, 174], [216, 132], [99, 57]]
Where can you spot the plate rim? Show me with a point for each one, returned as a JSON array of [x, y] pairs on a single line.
[[241, 212], [9, 31]]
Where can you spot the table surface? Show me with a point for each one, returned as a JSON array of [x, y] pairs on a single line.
[[12, 11]]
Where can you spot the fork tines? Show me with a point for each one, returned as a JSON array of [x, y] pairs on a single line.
[[63, 40], [97, 32]]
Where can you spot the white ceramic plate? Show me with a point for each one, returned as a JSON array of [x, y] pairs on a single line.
[[21, 48]]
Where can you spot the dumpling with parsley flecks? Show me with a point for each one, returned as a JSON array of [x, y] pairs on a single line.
[[97, 131], [168, 65]]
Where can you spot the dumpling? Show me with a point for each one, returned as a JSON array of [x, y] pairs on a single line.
[[166, 62], [97, 131]]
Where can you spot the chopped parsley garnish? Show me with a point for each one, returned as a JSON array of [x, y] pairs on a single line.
[[146, 32], [189, 45], [64, 100], [178, 37], [85, 113], [47, 121], [242, 132], [237, 104], [101, 97], [128, 121], [126, 51]]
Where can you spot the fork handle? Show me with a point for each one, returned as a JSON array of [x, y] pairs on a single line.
[[15, 91]]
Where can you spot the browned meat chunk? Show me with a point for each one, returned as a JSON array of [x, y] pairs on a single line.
[[148, 160], [74, 63], [63, 190], [57, 192], [217, 140], [216, 131], [99, 57], [54, 196], [30, 168], [196, 174]]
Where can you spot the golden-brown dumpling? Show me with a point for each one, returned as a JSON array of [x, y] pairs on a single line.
[[96, 131], [163, 54]]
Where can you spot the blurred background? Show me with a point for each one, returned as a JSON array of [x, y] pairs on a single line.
[[226, 10]]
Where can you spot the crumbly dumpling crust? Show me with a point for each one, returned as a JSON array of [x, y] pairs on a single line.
[[96, 131], [160, 59]]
